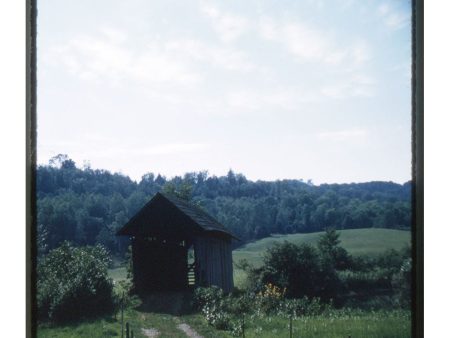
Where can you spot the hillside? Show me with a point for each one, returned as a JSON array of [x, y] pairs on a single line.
[[356, 241], [87, 206]]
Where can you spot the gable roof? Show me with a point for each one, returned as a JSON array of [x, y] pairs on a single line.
[[165, 214]]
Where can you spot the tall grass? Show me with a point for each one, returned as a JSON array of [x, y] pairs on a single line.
[[338, 323]]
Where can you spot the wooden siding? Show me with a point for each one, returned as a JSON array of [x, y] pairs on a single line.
[[214, 265]]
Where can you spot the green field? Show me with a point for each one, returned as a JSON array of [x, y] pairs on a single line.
[[356, 241]]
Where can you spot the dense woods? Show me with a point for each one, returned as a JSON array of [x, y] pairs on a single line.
[[86, 206]]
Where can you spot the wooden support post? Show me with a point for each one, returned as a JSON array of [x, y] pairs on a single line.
[[121, 310], [290, 326], [127, 330], [132, 334]]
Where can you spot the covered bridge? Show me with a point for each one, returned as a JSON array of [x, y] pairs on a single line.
[[163, 232]]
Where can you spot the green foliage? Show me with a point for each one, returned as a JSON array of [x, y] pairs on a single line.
[[311, 317], [270, 299], [87, 206], [331, 274], [73, 283], [300, 269], [300, 307], [401, 282], [214, 305], [331, 252], [182, 191]]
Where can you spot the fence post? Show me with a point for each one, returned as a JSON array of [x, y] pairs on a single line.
[[132, 334], [127, 330], [290, 326], [121, 310]]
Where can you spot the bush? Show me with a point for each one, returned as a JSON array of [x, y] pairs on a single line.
[[269, 299], [214, 306], [73, 283], [304, 307], [300, 269], [402, 283]]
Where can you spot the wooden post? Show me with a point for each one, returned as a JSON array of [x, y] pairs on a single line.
[[127, 330], [290, 326], [121, 310], [132, 334]]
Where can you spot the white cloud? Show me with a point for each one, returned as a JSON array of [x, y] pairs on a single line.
[[106, 57], [355, 85], [393, 18], [223, 57], [343, 135], [284, 98], [346, 64], [115, 35], [309, 44], [109, 57], [228, 26]]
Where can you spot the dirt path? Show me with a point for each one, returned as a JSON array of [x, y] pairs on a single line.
[[151, 333], [189, 331]]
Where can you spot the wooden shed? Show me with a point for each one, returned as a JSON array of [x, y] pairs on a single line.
[[163, 232]]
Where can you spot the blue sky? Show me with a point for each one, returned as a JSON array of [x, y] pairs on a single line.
[[273, 89]]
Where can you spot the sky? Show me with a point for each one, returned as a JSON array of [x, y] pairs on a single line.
[[273, 89]]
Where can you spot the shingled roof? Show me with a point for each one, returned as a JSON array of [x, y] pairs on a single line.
[[165, 213]]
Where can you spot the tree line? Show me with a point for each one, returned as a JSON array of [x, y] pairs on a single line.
[[87, 206]]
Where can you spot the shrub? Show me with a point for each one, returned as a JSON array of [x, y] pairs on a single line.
[[402, 283], [269, 299], [330, 250], [214, 306], [300, 269], [204, 296], [304, 307], [73, 283]]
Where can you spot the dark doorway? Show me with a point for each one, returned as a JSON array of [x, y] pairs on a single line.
[[160, 265]]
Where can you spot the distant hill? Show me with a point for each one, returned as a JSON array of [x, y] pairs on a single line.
[[86, 206]]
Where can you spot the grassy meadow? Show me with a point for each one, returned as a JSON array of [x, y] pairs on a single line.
[[357, 242], [393, 324], [334, 325], [144, 324]]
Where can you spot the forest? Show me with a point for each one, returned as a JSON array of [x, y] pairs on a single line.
[[87, 206]]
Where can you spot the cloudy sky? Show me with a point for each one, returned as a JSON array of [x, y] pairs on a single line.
[[272, 89]]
